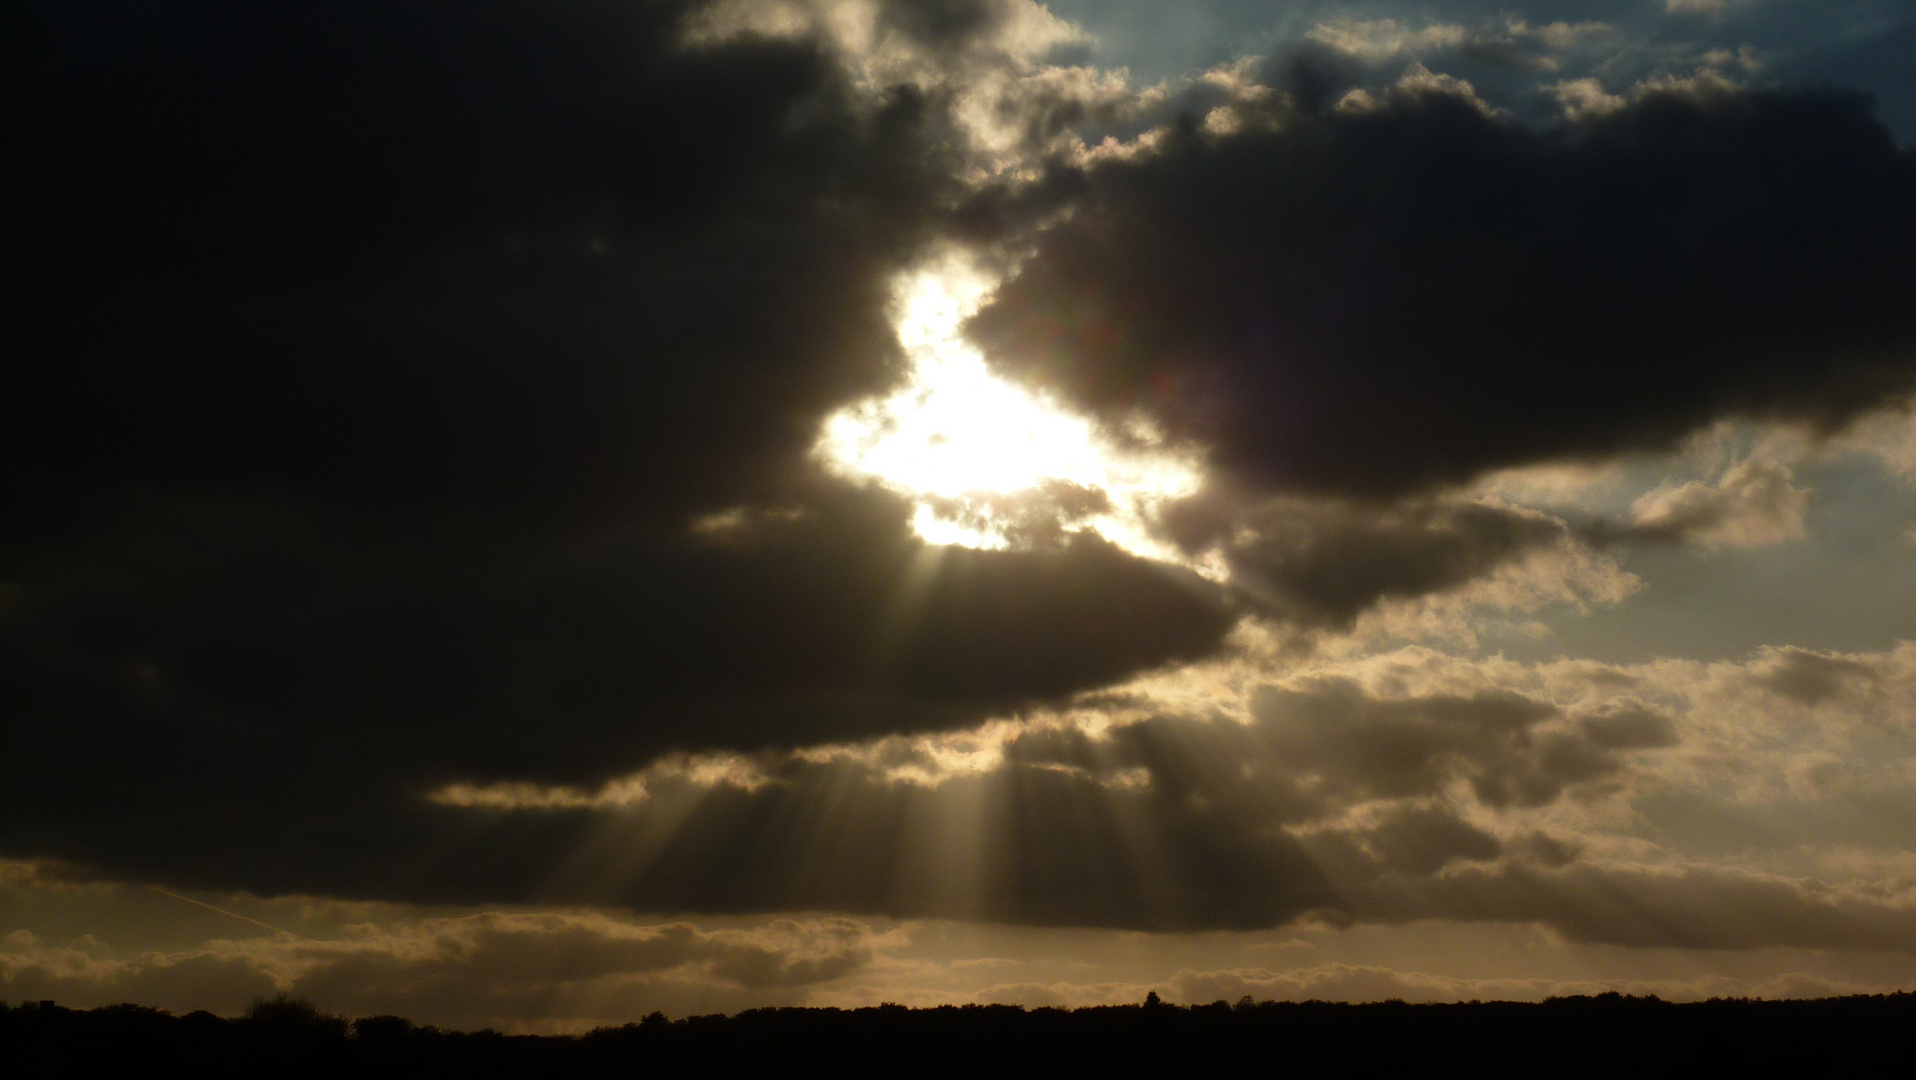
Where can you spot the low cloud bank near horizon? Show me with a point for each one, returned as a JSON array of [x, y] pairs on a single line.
[[555, 972]]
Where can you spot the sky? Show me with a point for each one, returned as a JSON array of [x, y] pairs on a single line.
[[529, 513]]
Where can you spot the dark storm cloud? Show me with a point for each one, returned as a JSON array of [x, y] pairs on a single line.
[[1692, 907], [413, 394], [1173, 822], [522, 251], [1322, 563], [1336, 801], [814, 628], [1408, 795], [945, 25], [399, 393], [1813, 678], [246, 706], [1366, 746], [1030, 841], [1385, 297], [1424, 840]]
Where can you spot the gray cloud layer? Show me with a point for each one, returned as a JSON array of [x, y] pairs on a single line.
[[1662, 805], [408, 398], [470, 970], [372, 363], [1376, 294]]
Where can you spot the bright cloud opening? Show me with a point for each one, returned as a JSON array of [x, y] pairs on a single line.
[[975, 450]]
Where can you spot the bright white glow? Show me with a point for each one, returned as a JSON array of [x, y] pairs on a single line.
[[956, 436]]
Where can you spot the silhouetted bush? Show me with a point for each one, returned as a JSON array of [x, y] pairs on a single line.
[[1606, 1036]]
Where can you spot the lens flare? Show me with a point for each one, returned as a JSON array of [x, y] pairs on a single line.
[[960, 440]]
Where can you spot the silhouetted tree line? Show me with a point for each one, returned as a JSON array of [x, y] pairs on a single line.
[[1608, 1035]]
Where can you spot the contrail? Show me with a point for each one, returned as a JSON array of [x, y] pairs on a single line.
[[223, 911]]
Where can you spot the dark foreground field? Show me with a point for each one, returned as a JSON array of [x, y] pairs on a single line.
[[1607, 1036]]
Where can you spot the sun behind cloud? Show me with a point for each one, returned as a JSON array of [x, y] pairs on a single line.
[[972, 449]]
